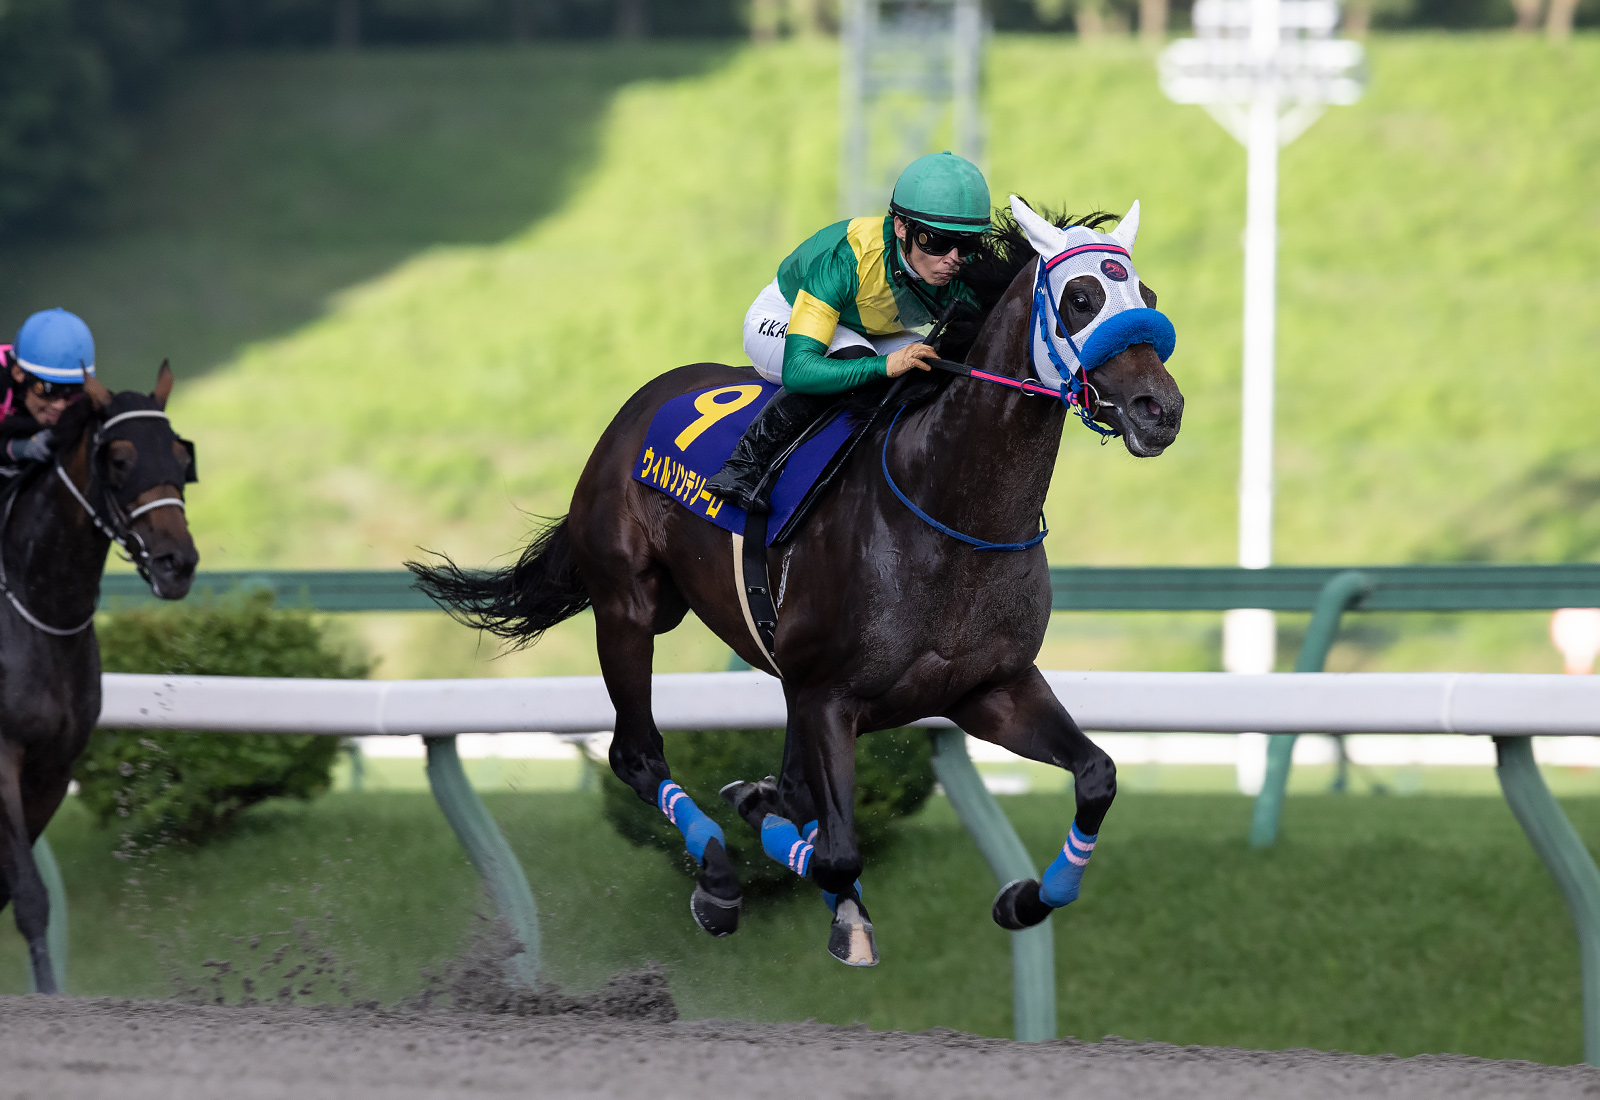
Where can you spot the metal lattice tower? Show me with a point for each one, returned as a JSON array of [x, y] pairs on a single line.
[[908, 85]]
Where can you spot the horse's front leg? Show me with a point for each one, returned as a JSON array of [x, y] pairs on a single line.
[[1025, 716], [18, 871], [806, 819], [625, 637], [822, 733]]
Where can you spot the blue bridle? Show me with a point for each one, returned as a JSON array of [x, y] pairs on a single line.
[[1074, 392], [1115, 334]]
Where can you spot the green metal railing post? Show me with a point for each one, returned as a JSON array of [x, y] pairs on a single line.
[[1338, 595], [56, 932], [1033, 950], [490, 854], [1570, 864], [358, 764]]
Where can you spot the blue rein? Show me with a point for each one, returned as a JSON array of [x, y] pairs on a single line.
[[1071, 394], [976, 544]]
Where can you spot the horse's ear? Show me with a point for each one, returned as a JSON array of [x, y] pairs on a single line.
[[1046, 239], [96, 391], [163, 385], [1127, 230]]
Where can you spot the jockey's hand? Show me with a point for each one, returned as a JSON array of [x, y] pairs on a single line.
[[36, 448], [912, 355]]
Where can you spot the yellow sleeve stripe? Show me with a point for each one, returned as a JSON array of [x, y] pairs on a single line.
[[875, 299], [814, 318]]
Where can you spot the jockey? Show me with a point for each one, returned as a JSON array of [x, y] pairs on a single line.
[[847, 304], [47, 365]]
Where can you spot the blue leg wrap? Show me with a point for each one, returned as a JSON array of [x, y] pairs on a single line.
[[1061, 880], [698, 830], [781, 840]]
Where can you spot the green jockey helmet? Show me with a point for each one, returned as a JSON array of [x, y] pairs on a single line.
[[943, 191]]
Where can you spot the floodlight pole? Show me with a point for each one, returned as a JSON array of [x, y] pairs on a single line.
[[1250, 635], [1248, 61], [1260, 302]]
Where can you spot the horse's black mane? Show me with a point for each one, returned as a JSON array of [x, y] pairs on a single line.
[[75, 420], [1002, 254], [1005, 251]]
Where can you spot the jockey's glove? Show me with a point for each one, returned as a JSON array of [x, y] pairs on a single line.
[[38, 447]]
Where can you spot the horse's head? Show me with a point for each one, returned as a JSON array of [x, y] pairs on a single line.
[[1092, 318], [141, 466]]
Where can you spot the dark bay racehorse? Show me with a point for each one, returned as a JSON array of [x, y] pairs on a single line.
[[883, 619], [119, 475]]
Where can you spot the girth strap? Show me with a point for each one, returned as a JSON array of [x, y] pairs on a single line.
[[753, 586]]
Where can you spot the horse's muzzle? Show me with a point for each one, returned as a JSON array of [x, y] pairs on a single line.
[[172, 572], [1149, 406]]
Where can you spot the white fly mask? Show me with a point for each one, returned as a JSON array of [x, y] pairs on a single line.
[[1062, 359]]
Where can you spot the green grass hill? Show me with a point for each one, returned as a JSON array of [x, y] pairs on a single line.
[[405, 290]]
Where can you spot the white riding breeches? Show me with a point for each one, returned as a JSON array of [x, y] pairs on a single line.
[[766, 323]]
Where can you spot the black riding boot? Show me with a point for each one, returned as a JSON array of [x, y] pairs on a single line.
[[778, 425]]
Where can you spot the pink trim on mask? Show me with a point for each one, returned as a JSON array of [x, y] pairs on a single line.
[[1082, 248]]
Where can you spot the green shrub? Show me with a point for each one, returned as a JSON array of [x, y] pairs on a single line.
[[188, 786], [894, 776]]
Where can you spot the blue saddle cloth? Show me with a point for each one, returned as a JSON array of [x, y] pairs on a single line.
[[692, 435]]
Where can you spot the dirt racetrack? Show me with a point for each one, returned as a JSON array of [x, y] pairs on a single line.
[[66, 1048]]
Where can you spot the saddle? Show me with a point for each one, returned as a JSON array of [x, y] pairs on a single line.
[[800, 477]]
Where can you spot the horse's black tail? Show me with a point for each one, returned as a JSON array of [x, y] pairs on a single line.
[[520, 602]]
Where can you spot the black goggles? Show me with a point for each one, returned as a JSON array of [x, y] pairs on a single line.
[[53, 391], [938, 243]]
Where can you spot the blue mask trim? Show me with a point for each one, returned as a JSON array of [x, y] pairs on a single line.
[[1121, 331]]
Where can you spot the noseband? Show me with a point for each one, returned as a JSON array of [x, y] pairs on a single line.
[[116, 524]]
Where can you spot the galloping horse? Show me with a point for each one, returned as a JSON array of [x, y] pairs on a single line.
[[118, 477], [886, 614]]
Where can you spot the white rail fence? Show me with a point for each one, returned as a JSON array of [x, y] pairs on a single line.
[[1507, 707], [1495, 704]]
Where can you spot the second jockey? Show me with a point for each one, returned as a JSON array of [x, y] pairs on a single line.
[[847, 305], [45, 370]]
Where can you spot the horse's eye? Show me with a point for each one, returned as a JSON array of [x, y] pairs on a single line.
[[1080, 302]]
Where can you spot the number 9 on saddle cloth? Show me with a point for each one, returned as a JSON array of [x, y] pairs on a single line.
[[691, 436]]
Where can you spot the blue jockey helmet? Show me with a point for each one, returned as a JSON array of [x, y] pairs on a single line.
[[56, 345]]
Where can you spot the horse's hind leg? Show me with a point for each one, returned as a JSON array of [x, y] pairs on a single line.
[[626, 622], [1025, 716], [21, 874]]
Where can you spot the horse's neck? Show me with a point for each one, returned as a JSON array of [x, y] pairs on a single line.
[[983, 434], [54, 555]]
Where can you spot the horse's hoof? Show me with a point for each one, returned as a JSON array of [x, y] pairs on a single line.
[[1018, 905], [850, 940], [715, 915], [753, 801]]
